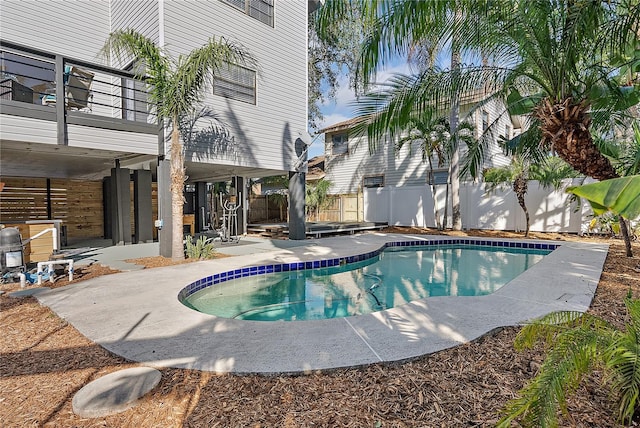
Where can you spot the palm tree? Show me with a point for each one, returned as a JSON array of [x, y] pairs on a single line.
[[579, 343], [436, 140], [564, 54], [552, 60], [175, 87], [548, 172], [316, 196], [402, 28], [280, 196]]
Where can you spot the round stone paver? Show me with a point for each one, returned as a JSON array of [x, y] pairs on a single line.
[[114, 392]]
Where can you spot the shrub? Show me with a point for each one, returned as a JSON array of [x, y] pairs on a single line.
[[202, 248], [578, 344]]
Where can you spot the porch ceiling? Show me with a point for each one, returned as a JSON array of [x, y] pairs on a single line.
[[20, 159], [218, 172]]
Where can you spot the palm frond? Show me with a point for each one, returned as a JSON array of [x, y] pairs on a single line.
[[129, 45], [198, 68], [578, 344], [623, 364], [551, 172]]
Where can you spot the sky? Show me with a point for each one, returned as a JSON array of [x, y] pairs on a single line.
[[340, 109]]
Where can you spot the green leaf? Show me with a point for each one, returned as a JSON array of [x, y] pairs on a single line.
[[619, 195], [520, 105]]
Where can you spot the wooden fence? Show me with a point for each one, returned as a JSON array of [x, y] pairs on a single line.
[[78, 203]]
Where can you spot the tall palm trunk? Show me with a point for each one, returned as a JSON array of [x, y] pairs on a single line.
[[436, 212], [565, 129], [177, 196], [453, 124], [520, 187]]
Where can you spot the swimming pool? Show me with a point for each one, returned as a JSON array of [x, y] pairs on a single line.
[[396, 274]]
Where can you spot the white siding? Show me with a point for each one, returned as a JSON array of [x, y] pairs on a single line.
[[106, 139], [498, 118], [264, 134], [346, 171], [74, 28], [140, 15], [406, 166], [15, 128]]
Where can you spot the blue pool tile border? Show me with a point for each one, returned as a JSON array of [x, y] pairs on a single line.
[[221, 277]]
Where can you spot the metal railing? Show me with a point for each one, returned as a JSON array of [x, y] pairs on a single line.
[[37, 77]]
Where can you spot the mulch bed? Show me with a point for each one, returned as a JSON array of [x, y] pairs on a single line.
[[44, 361]]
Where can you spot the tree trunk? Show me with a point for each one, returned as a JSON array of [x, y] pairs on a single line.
[[625, 235], [436, 212], [565, 129], [453, 125], [177, 193], [520, 187]]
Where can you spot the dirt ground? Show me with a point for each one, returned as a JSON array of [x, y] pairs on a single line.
[[44, 361]]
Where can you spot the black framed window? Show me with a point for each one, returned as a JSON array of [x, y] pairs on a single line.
[[262, 10], [236, 82], [339, 144], [135, 102], [437, 177], [373, 181], [485, 120]]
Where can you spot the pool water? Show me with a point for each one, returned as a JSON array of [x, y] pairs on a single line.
[[395, 277]]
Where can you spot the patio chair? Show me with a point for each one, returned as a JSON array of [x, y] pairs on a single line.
[[77, 85]]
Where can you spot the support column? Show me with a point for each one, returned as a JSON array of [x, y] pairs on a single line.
[[164, 207], [201, 206], [297, 192], [120, 205], [242, 197], [297, 206], [142, 211]]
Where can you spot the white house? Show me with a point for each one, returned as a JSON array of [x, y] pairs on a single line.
[[104, 132], [353, 169]]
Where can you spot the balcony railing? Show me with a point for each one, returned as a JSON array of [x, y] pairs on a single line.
[[35, 79]]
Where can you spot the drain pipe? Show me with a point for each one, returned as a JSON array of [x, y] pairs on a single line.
[[54, 233], [50, 264], [23, 279]]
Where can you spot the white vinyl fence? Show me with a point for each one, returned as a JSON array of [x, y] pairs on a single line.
[[549, 210]]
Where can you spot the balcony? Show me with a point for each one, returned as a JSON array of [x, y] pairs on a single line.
[[73, 118]]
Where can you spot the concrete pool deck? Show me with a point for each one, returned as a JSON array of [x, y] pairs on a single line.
[[137, 314]]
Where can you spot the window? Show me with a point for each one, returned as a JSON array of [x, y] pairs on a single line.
[[373, 181], [134, 96], [507, 132], [438, 176], [485, 121], [262, 10], [236, 82], [339, 144]]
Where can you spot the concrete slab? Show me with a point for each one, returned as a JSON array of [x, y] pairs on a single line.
[[137, 314], [115, 392], [27, 292]]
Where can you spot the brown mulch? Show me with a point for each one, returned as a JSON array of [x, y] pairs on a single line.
[[44, 361]]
